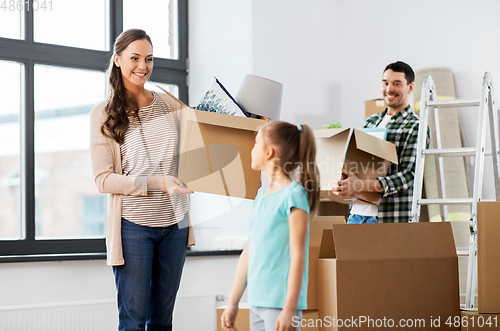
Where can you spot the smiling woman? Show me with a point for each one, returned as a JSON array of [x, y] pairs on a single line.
[[134, 159], [51, 209], [136, 65]]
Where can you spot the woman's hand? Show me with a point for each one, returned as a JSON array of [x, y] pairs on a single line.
[[229, 317], [168, 184], [173, 185], [284, 322]]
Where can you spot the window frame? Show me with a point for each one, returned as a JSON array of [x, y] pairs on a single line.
[[29, 53]]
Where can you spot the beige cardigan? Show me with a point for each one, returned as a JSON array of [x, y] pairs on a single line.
[[107, 170]]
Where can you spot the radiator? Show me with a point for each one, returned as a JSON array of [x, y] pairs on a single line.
[[191, 313], [75, 316]]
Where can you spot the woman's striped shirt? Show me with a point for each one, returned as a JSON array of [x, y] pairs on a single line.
[[150, 149]]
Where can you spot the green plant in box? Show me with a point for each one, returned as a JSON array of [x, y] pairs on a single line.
[[332, 125]]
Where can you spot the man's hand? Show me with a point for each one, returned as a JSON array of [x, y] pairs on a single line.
[[349, 186]]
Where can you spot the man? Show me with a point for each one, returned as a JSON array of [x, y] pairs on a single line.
[[402, 124]]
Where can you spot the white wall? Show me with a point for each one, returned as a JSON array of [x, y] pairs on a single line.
[[329, 55], [461, 35], [297, 44], [220, 44]]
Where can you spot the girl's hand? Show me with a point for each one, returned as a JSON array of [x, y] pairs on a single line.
[[229, 317], [285, 321]]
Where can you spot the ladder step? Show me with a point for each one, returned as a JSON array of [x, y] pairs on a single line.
[[462, 251], [453, 103], [466, 151], [462, 201]]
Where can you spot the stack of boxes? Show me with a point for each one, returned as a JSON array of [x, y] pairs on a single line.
[[371, 274], [380, 275]]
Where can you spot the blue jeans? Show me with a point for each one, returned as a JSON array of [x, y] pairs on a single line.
[[147, 283], [264, 319], [358, 219]]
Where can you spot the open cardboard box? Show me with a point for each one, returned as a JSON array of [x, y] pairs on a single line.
[[215, 152], [488, 257], [366, 156], [316, 227], [388, 271]]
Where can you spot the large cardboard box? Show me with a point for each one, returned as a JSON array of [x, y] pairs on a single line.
[[366, 156], [376, 275], [471, 320], [328, 207], [215, 153], [488, 257], [309, 320], [316, 227], [374, 107], [242, 322]]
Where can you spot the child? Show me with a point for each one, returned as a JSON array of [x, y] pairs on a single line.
[[274, 263]]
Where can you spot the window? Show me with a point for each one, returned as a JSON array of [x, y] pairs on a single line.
[[10, 153], [53, 56]]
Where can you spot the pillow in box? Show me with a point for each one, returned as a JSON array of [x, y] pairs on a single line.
[[218, 100]]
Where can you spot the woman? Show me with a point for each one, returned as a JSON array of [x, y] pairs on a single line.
[[133, 150]]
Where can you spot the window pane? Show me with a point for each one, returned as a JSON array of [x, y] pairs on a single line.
[[173, 89], [81, 24], [12, 21], [68, 204], [10, 150], [161, 24]]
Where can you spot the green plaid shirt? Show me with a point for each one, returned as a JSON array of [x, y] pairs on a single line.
[[402, 131]]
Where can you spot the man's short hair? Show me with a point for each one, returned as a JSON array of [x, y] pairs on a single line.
[[400, 66]]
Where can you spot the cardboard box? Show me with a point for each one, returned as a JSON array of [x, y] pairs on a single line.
[[406, 271], [215, 153], [366, 156], [471, 320], [316, 227], [309, 323], [374, 107], [488, 257], [242, 320], [332, 208]]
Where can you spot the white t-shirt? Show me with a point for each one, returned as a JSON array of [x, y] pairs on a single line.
[[370, 210]]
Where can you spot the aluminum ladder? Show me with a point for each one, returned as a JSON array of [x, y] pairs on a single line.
[[485, 111]]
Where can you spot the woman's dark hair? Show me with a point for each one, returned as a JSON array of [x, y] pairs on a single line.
[[295, 148], [400, 66], [119, 106]]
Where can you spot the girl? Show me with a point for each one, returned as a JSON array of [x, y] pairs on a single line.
[[133, 150], [273, 265]]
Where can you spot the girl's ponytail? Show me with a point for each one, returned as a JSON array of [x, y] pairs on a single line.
[[296, 151], [309, 174]]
